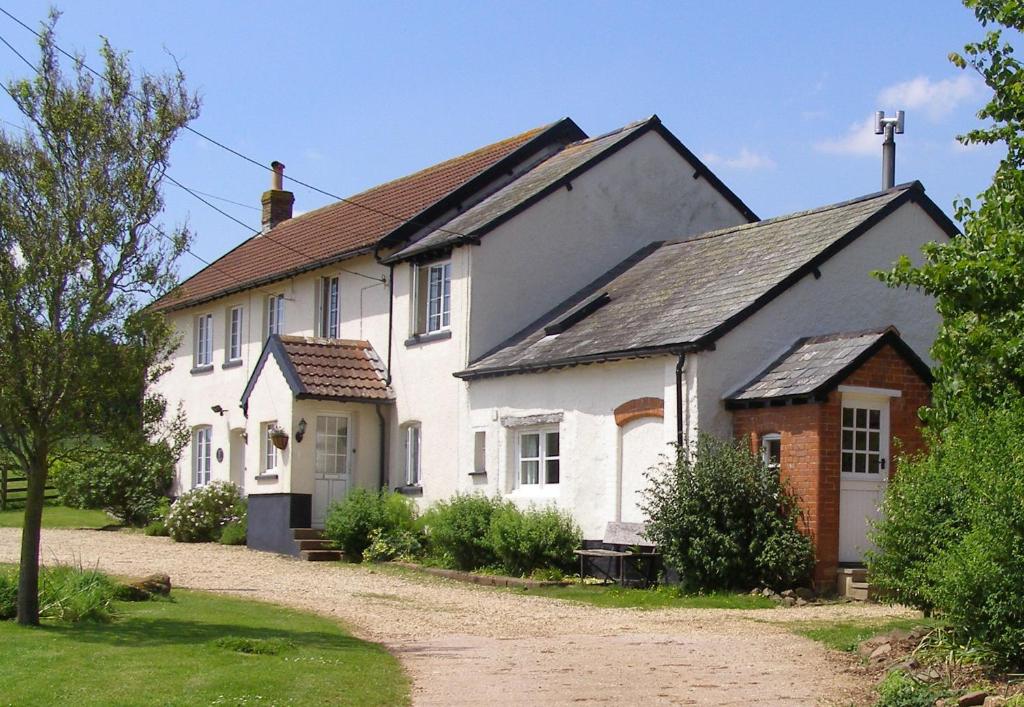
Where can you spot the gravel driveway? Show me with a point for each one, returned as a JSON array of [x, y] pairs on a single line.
[[467, 645]]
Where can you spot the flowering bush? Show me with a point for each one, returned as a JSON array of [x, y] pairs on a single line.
[[200, 514]]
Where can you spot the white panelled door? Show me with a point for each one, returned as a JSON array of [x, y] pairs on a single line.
[[643, 444], [331, 473], [863, 470]]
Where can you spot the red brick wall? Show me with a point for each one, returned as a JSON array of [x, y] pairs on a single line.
[[810, 444]]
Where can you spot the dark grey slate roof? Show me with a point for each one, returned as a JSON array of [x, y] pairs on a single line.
[[811, 365], [685, 294]]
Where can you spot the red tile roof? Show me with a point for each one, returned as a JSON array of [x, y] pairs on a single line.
[[337, 368], [337, 229]]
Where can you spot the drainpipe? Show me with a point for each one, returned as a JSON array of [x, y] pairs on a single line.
[[383, 448], [680, 432], [391, 317]]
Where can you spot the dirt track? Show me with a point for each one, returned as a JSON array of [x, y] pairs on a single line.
[[467, 645]]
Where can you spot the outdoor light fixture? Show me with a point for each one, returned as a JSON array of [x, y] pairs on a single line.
[[300, 430], [219, 410]]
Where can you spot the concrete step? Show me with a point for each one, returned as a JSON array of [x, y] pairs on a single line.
[[852, 582], [318, 544], [307, 533], [321, 555]]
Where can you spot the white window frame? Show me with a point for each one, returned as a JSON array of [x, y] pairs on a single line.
[[341, 451], [203, 355], [234, 337], [202, 455], [269, 454], [854, 448], [412, 450], [275, 314], [433, 297], [328, 307], [766, 440], [542, 458], [479, 451]]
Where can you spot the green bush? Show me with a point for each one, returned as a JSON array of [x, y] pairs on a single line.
[[157, 527], [724, 520], [73, 594], [536, 539], [8, 594], [350, 522], [396, 545], [458, 531], [900, 690], [234, 533], [200, 514], [952, 535]]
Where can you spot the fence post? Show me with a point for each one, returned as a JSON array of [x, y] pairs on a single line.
[[3, 488]]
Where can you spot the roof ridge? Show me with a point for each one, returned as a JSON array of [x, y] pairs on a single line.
[[899, 188], [653, 118], [836, 336]]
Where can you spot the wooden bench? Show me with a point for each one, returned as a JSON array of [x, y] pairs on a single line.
[[629, 548]]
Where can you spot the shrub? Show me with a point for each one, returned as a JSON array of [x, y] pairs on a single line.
[[724, 520], [952, 535], [157, 527], [350, 522], [458, 531], [8, 594], [130, 485], [900, 690], [385, 546], [200, 514], [73, 594], [535, 539], [234, 532]]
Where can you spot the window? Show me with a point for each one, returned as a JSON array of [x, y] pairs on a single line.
[[433, 297], [204, 340], [202, 440], [539, 461], [275, 314], [862, 441], [412, 454], [269, 450], [331, 444], [479, 452], [328, 307], [234, 334], [771, 449]]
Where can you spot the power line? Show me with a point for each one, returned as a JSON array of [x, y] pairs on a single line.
[[236, 153]]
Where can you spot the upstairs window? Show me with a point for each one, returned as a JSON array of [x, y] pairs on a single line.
[[202, 441], [275, 314], [771, 450], [204, 340], [411, 443], [234, 334], [328, 307], [539, 457], [433, 297]]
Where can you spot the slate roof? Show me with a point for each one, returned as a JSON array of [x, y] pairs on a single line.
[[326, 369], [550, 174], [342, 229], [683, 295], [816, 364]]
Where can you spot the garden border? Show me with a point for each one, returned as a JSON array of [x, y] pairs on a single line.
[[487, 580]]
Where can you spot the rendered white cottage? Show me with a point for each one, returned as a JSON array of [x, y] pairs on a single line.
[[527, 332]]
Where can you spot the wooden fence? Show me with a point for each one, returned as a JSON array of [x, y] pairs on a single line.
[[14, 486]]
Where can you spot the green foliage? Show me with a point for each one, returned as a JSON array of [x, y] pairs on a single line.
[[952, 537], [350, 522], [234, 533], [724, 520], [458, 531], [395, 545], [73, 594], [254, 646], [901, 690], [158, 526], [200, 514], [534, 539], [8, 594]]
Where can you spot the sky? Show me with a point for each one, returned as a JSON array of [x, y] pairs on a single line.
[[776, 97]]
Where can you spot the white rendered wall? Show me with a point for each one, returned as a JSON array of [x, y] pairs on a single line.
[[645, 192], [271, 401], [363, 443], [846, 298]]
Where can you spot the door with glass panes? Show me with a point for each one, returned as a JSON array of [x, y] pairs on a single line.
[[863, 470], [331, 472]]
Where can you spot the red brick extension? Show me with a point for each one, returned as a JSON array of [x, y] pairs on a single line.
[[810, 444]]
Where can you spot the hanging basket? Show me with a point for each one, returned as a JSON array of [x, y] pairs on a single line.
[[279, 437]]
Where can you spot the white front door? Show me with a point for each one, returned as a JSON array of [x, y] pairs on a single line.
[[331, 472], [863, 470], [643, 445]]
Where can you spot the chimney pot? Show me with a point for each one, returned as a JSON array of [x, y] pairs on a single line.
[[277, 203]]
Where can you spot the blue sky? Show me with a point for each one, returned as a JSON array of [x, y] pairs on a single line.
[[774, 96]]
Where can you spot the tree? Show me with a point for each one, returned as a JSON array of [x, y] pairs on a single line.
[[978, 279], [80, 248]]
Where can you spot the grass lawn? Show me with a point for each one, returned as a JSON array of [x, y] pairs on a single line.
[[658, 598], [189, 651], [847, 635], [58, 517]]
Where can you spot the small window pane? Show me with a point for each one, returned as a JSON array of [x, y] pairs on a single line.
[[847, 439], [862, 441], [530, 472], [480, 451], [875, 419], [861, 463], [551, 449], [529, 446], [872, 463], [551, 467], [862, 418], [847, 417], [847, 462], [873, 441]]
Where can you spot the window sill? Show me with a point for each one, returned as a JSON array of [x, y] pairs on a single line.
[[234, 363], [478, 473], [417, 339], [266, 477], [197, 370], [409, 490]]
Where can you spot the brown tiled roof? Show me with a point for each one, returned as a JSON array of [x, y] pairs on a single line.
[[337, 229], [326, 369]]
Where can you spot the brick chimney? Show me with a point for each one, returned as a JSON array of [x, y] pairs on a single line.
[[277, 203]]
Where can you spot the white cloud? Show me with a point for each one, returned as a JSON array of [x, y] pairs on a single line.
[[859, 139], [935, 99], [311, 153], [746, 160]]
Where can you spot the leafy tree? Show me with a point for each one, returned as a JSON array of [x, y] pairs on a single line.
[[79, 249], [978, 279]]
